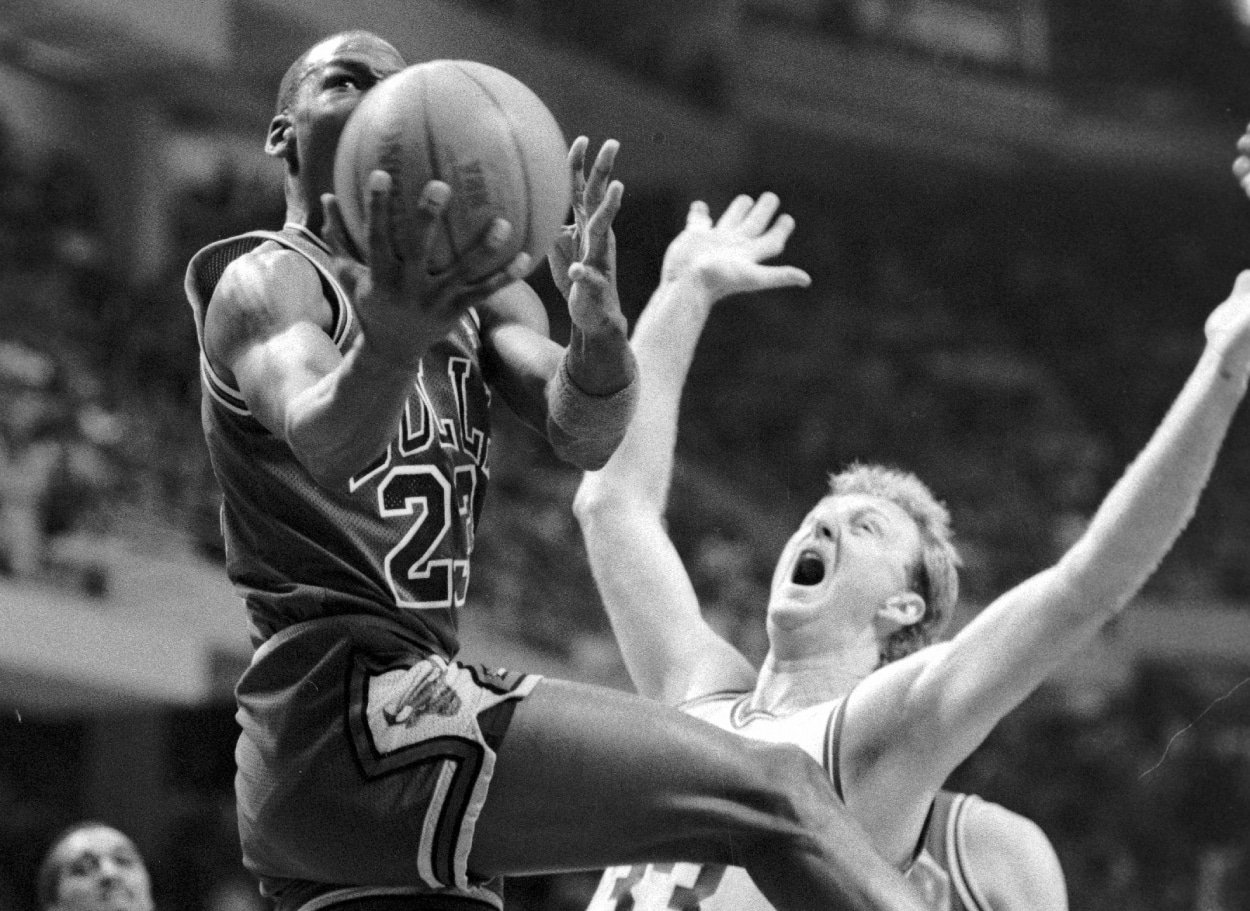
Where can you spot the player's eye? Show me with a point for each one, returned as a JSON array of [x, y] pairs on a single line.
[[343, 80]]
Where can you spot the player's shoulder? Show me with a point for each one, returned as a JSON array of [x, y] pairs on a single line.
[[996, 825], [1008, 858], [266, 286], [259, 293], [269, 272]]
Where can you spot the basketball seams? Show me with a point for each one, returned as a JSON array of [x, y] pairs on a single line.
[[434, 168], [484, 133], [531, 211]]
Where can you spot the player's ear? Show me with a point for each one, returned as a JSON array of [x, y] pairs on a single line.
[[280, 142], [898, 611]]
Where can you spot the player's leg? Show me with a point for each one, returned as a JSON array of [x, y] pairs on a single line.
[[588, 778]]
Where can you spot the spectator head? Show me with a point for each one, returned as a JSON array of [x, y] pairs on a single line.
[[93, 867]]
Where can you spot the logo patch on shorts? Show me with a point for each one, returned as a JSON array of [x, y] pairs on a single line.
[[424, 691]]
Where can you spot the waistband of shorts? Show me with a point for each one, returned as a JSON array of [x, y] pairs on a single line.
[[287, 633], [346, 897]]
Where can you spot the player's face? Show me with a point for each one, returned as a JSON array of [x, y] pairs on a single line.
[[848, 557], [100, 870], [337, 74]]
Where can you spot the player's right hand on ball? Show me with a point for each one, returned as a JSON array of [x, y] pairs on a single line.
[[402, 305]]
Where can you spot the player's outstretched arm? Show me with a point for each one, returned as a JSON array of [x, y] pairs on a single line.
[[266, 327], [581, 396], [1009, 863], [671, 652], [952, 694]]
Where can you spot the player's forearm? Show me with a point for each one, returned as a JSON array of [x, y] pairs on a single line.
[[665, 338], [599, 358], [343, 422], [1154, 500], [592, 395], [959, 695]]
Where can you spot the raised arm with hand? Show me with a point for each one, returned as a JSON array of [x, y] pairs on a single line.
[[581, 396], [265, 331], [952, 694], [671, 653]]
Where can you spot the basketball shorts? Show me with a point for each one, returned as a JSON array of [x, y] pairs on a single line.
[[363, 763]]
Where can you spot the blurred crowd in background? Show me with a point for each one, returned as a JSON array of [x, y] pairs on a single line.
[[1013, 341]]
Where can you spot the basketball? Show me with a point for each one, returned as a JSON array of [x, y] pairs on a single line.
[[476, 128]]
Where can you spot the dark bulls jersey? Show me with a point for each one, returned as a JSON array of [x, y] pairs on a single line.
[[395, 540]]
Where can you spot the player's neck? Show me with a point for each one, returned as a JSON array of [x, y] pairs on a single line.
[[791, 683], [303, 206]]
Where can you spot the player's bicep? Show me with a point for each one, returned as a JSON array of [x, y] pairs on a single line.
[[671, 652], [273, 374], [264, 331], [519, 357], [968, 684]]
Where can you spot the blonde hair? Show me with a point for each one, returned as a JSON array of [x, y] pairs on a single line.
[[935, 575]]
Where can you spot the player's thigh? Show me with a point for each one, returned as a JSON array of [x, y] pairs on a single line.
[[588, 777]]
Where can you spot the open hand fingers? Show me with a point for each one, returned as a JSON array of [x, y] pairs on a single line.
[[582, 274], [773, 241], [477, 259], [783, 277], [735, 212], [424, 227], [483, 288], [599, 228], [698, 216], [577, 168], [1241, 170], [600, 174], [759, 215], [383, 259]]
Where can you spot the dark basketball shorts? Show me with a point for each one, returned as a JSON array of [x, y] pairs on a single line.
[[363, 764]]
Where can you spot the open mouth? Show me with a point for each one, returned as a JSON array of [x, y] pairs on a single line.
[[809, 570]]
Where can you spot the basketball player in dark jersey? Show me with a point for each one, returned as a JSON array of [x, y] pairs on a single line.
[[863, 585], [352, 446]]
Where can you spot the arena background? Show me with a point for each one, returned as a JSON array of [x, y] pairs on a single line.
[[1017, 214]]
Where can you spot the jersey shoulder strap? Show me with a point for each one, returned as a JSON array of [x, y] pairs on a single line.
[[206, 268], [948, 845], [833, 764]]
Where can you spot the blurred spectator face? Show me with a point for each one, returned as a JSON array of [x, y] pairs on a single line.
[[99, 869]]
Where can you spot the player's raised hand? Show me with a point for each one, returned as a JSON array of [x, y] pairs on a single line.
[[583, 260], [727, 256], [1241, 164], [402, 305], [1228, 326]]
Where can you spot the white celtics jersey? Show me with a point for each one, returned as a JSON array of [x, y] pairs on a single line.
[[818, 730], [684, 886]]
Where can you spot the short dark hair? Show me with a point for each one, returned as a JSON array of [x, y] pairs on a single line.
[[294, 76]]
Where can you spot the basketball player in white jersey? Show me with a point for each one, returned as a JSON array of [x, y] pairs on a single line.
[[861, 587]]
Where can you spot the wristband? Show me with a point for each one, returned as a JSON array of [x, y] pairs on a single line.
[[585, 429]]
